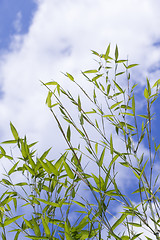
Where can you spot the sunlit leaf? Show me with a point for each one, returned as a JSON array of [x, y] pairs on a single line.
[[70, 77], [11, 220], [101, 158], [69, 133], [68, 170], [14, 131], [116, 53], [91, 71]]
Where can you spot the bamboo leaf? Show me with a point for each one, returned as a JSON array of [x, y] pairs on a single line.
[[44, 155], [79, 104], [46, 228], [132, 65], [107, 53], [119, 221], [13, 168], [143, 169], [91, 71], [101, 158], [115, 105], [133, 105], [51, 83], [68, 170], [111, 144], [52, 168], [14, 131], [48, 99], [36, 227], [146, 94], [70, 77], [79, 203], [157, 83], [117, 86], [8, 221], [48, 202], [116, 53], [69, 133]]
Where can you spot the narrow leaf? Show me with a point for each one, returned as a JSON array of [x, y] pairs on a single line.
[[69, 133], [14, 131], [11, 220], [68, 170], [101, 158], [70, 77]]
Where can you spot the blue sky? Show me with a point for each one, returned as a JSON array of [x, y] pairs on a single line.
[[39, 39], [10, 12]]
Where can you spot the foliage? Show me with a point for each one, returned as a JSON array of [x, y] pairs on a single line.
[[79, 196]]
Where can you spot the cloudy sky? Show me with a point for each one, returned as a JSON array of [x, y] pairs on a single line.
[[41, 38]]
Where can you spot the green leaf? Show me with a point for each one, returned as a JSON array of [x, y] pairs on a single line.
[[48, 99], [9, 141], [5, 181], [119, 221], [35, 237], [135, 224], [13, 168], [96, 147], [128, 114], [146, 94], [17, 235], [91, 71], [149, 87], [107, 53], [67, 232], [68, 170], [70, 77], [14, 131], [48, 202], [143, 169], [28, 223], [36, 227], [95, 53], [51, 83], [143, 116], [79, 104], [125, 238], [29, 169], [53, 169], [69, 133], [21, 184], [119, 88], [111, 144], [45, 166], [120, 73], [116, 53], [79, 203], [46, 228], [133, 105], [108, 88], [101, 158], [132, 65], [157, 83], [115, 105], [44, 155], [136, 236], [8, 221]]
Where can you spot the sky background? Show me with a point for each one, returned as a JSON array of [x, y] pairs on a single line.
[[39, 39]]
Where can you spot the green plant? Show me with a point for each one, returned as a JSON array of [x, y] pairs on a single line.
[[78, 196]]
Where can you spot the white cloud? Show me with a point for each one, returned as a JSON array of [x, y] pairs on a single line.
[[17, 23]]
